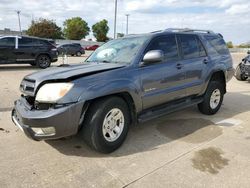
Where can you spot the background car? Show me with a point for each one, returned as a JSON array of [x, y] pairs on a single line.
[[92, 47], [71, 49], [243, 69], [22, 49]]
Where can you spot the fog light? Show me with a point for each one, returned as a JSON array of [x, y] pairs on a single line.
[[48, 131]]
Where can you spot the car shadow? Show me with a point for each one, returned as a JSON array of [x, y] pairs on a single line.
[[187, 126]]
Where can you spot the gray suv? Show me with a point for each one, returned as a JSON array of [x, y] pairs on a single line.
[[124, 82]]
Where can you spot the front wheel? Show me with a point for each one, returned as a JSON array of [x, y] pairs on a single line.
[[43, 61], [212, 99], [106, 125], [239, 75]]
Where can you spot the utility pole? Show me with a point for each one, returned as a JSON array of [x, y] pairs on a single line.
[[127, 15], [115, 19], [19, 21]]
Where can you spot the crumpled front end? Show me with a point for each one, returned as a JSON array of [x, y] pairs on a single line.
[[46, 124]]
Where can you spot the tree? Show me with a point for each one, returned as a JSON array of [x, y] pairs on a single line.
[[45, 28], [120, 35], [230, 44], [100, 30], [75, 28]]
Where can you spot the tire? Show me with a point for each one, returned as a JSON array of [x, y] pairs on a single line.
[[95, 130], [43, 61], [238, 74], [78, 54], [211, 106]]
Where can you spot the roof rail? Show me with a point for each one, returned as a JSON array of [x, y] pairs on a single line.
[[188, 30]]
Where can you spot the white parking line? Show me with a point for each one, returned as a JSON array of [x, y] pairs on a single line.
[[228, 122]]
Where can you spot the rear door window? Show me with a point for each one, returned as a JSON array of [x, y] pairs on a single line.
[[25, 42], [189, 46], [168, 45]]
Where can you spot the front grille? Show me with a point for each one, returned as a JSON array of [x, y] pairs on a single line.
[[27, 86]]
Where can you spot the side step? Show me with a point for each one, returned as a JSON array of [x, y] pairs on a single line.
[[167, 108]]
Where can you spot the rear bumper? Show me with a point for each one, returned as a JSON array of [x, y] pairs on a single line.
[[64, 121]]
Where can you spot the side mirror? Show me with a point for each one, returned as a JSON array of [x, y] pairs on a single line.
[[153, 56], [248, 52]]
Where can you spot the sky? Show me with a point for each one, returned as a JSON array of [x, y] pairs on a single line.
[[231, 18]]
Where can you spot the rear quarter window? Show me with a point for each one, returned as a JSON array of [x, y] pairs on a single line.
[[218, 44]]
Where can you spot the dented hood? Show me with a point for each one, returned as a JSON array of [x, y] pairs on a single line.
[[71, 71]]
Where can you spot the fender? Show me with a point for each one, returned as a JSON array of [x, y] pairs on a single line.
[[212, 70], [114, 87]]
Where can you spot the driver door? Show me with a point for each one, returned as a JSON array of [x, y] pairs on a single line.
[[163, 82]]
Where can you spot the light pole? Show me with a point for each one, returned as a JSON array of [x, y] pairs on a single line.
[[127, 15], [115, 19], [19, 21]]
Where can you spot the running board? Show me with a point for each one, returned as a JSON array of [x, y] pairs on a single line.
[[167, 108]]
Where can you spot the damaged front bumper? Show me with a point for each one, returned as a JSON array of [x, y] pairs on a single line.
[[47, 124]]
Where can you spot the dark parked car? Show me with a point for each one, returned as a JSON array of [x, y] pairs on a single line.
[[125, 81], [71, 49], [243, 69], [92, 47], [22, 49]]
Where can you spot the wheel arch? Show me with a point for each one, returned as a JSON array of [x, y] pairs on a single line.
[[44, 53], [126, 96]]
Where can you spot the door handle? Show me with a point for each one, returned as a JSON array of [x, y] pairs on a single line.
[[205, 61], [179, 66]]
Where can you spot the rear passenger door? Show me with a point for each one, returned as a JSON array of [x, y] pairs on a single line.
[[162, 82], [194, 60], [25, 51]]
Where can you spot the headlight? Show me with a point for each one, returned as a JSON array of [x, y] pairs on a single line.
[[51, 93]]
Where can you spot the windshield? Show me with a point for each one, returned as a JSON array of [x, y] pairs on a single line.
[[121, 50]]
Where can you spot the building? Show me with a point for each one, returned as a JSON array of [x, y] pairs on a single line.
[[8, 31]]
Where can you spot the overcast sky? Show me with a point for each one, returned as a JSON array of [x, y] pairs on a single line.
[[229, 17]]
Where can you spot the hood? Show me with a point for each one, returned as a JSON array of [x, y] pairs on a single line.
[[71, 71], [32, 81]]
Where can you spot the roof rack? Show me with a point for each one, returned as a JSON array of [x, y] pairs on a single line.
[[188, 30]]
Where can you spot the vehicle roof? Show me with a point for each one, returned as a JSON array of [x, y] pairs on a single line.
[[175, 31], [24, 36]]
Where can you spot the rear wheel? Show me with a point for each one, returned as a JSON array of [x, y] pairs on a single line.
[[78, 54], [106, 125], [212, 99], [43, 61], [239, 75]]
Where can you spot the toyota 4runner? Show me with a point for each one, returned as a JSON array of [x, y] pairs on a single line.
[[125, 81]]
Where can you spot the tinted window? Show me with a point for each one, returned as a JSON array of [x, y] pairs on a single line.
[[189, 46], [39, 42], [25, 42], [218, 43], [8, 41], [168, 45]]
